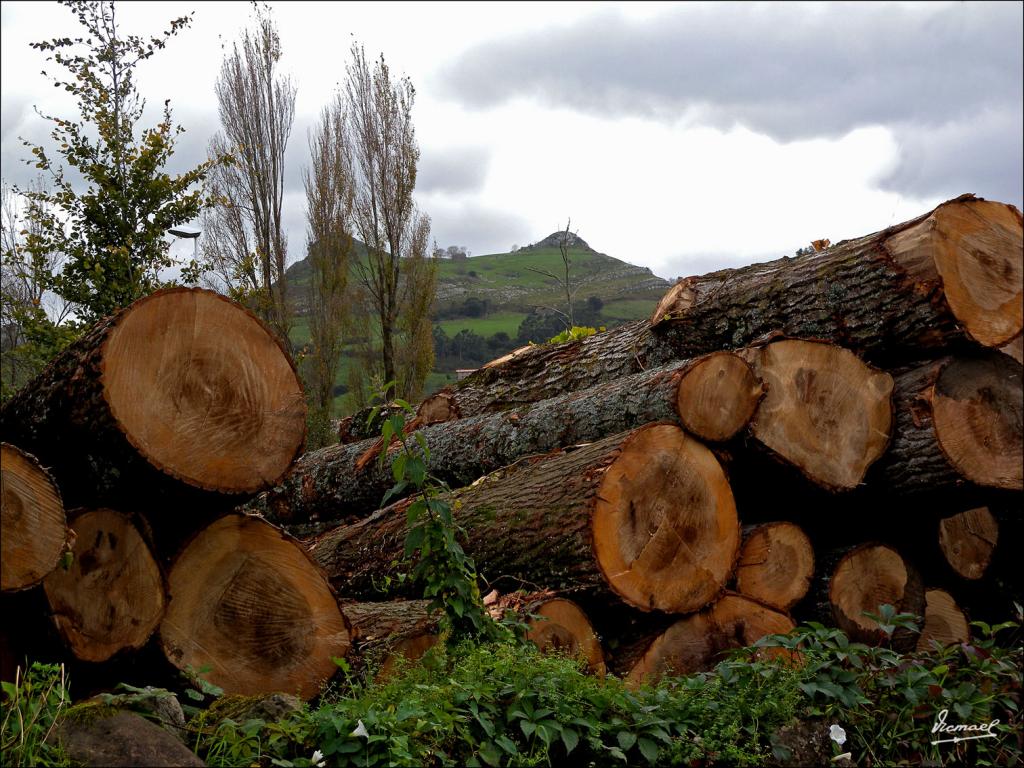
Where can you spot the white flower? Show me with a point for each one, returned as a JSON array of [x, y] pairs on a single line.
[[837, 734], [317, 759], [360, 730]]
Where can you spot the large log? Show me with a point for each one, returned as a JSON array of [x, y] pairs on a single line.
[[32, 520], [713, 397], [952, 273], [826, 412], [697, 642], [182, 389], [247, 602], [113, 595], [383, 633], [958, 421], [864, 578], [646, 517], [776, 564]]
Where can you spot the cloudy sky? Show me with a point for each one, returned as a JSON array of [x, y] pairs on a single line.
[[680, 137]]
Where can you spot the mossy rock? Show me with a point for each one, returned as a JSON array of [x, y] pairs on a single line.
[[270, 708], [95, 734]]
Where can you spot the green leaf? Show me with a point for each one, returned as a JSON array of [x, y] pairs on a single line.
[[527, 728], [414, 540], [648, 749], [626, 740], [570, 739], [489, 753]]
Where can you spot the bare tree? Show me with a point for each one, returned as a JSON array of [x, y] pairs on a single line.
[[330, 198], [385, 157], [565, 239], [244, 242]]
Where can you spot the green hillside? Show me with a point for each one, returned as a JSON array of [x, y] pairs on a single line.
[[482, 302]]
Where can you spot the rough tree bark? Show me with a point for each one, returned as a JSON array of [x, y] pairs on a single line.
[[713, 397], [646, 517], [950, 274], [182, 389], [247, 601], [34, 526]]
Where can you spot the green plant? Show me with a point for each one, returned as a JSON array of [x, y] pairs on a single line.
[[111, 232], [574, 334], [888, 702], [32, 704], [447, 573]]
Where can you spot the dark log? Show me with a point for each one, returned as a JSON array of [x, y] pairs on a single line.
[[713, 397], [555, 625], [776, 564], [32, 521], [958, 421], [181, 390], [247, 602], [951, 274], [646, 517], [112, 596], [967, 541], [944, 621], [697, 642]]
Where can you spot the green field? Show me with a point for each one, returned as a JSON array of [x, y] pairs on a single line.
[[484, 326]]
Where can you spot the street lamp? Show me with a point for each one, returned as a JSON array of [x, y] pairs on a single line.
[[188, 233]]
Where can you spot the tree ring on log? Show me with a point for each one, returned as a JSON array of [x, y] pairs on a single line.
[[718, 396], [826, 411], [563, 627], [865, 578], [977, 409], [696, 643], [978, 254], [113, 596], [776, 564], [247, 602], [967, 541], [944, 621], [31, 518], [665, 529], [204, 391]]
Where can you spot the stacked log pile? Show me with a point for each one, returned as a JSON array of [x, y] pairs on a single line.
[[808, 438], [152, 427], [858, 408]]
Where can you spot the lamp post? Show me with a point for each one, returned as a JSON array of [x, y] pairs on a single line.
[[188, 233]]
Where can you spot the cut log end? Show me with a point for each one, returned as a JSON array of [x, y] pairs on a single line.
[[944, 621], [967, 541], [562, 626], [676, 300], [204, 391], [665, 529], [718, 396], [776, 564], [247, 602], [977, 252], [867, 577], [696, 643], [978, 407], [826, 411], [406, 651], [113, 595], [437, 408], [34, 528]]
